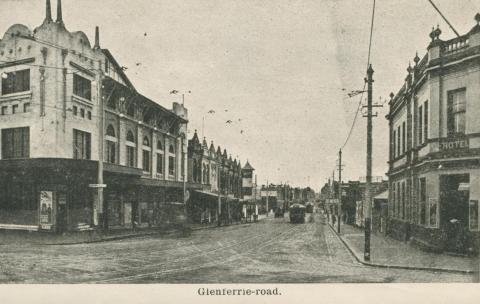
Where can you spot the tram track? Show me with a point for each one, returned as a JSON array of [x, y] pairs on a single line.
[[179, 264]]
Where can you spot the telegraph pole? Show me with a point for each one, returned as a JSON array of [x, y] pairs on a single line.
[[368, 194], [267, 197], [339, 189]]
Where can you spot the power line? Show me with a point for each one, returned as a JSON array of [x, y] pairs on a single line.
[[364, 85]]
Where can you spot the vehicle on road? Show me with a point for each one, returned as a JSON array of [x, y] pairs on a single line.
[[297, 213], [309, 207], [279, 212]]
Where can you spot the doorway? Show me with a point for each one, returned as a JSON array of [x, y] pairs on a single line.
[[454, 211]]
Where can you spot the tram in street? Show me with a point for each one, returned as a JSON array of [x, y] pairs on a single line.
[[297, 214]]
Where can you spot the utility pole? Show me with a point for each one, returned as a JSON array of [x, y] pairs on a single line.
[[339, 189], [368, 193], [267, 197]]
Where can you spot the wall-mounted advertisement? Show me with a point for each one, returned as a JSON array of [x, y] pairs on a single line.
[[46, 210]]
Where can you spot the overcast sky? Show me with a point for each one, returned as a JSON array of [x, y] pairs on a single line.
[[278, 69]]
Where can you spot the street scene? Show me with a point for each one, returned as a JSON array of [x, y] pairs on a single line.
[[271, 251], [213, 142]]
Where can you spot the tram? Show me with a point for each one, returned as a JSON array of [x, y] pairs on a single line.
[[297, 213]]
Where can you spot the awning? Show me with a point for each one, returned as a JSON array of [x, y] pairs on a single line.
[[382, 196]]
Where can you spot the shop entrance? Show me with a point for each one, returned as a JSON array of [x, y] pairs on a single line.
[[454, 211]]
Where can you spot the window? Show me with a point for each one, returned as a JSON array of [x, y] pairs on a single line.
[[107, 67], [146, 154], [403, 138], [111, 145], [473, 215], [16, 143], [82, 87], [422, 199], [160, 159], [171, 161], [425, 121], [403, 200], [14, 109], [399, 143], [26, 107], [392, 211], [4, 110], [81, 144], [394, 145], [15, 82], [131, 110], [89, 115], [146, 161], [432, 211], [420, 125], [456, 110], [74, 110], [82, 112], [130, 149]]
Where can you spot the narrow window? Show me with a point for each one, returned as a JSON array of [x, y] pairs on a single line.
[[403, 138], [26, 107], [15, 109], [394, 146], [420, 125], [425, 121], [456, 111], [130, 149], [4, 110], [82, 112], [75, 110], [473, 215], [399, 143], [422, 198], [89, 115]]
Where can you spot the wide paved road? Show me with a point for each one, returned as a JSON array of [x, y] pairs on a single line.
[[271, 251]]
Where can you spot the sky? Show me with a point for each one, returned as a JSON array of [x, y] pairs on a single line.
[[278, 69]]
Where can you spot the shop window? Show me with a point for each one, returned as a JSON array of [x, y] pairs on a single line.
[[16, 82], [82, 87], [81, 144], [456, 109], [473, 215], [16, 143]]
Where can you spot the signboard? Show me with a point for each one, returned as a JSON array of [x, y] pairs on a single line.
[[446, 144], [270, 193], [46, 209], [97, 185]]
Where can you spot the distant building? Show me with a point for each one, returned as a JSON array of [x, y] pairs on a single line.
[[434, 165]]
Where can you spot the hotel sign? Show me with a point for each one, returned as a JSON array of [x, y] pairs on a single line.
[[446, 144]]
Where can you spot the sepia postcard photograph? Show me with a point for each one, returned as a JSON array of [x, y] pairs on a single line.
[[246, 143]]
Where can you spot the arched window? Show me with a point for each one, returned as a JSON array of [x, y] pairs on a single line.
[[110, 131], [194, 170], [111, 145], [171, 160], [130, 149], [131, 110], [146, 141], [112, 103], [130, 137], [146, 154], [160, 158]]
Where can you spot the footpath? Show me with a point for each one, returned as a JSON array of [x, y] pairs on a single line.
[[386, 252], [25, 238]]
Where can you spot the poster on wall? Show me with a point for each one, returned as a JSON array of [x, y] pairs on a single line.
[[46, 209]]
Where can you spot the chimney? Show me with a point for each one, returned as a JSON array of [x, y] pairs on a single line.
[[97, 39], [59, 11], [48, 14]]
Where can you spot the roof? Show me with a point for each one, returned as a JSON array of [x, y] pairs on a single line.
[[382, 196], [248, 166]]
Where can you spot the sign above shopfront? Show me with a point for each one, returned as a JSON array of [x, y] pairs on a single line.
[[446, 144]]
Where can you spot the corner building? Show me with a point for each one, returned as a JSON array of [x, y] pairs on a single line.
[[434, 166], [64, 106]]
